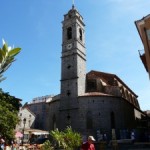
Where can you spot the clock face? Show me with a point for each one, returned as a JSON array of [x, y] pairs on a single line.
[[69, 46]]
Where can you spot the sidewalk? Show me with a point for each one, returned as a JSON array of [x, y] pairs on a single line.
[[134, 146], [30, 147], [9, 148], [20, 148], [125, 146]]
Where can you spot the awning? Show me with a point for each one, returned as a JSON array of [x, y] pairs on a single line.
[[36, 131], [18, 134]]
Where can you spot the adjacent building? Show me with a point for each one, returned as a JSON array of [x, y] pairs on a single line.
[[40, 107], [143, 27], [26, 119]]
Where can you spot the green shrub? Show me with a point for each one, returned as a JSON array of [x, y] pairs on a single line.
[[47, 146], [67, 139]]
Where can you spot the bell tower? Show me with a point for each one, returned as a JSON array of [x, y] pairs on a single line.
[[73, 60]]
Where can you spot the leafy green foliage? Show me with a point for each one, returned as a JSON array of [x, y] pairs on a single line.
[[47, 146], [9, 107], [67, 139], [7, 56], [8, 120], [15, 102], [73, 139]]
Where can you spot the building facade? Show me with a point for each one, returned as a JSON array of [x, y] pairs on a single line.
[[91, 103], [143, 27], [26, 119], [40, 107]]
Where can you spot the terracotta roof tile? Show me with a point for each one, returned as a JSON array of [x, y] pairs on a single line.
[[95, 94], [108, 78]]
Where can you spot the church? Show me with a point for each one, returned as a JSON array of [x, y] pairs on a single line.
[[90, 102]]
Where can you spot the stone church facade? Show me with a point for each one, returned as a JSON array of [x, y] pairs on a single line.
[[89, 102]]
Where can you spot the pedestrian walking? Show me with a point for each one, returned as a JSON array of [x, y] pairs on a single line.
[[89, 144], [133, 136], [2, 143]]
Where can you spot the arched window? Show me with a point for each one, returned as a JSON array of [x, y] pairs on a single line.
[[54, 122], [112, 118], [123, 92], [69, 33], [37, 121], [80, 31], [68, 119], [68, 92], [126, 94], [89, 120]]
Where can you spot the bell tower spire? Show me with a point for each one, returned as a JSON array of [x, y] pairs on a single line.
[[73, 60], [73, 4]]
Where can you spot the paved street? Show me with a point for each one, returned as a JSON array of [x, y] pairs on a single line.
[[135, 146]]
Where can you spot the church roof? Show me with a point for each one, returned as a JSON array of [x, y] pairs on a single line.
[[73, 11], [73, 14], [95, 94], [108, 78], [26, 107]]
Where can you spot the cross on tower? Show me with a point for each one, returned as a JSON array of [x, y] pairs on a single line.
[[72, 2]]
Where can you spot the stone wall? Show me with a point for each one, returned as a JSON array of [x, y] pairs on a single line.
[[94, 113]]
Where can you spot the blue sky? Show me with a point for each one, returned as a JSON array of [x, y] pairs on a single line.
[[112, 43]]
